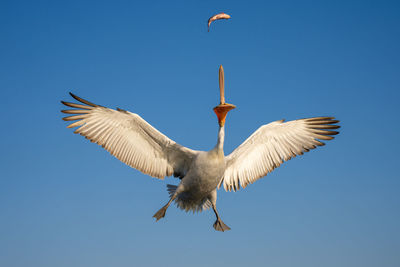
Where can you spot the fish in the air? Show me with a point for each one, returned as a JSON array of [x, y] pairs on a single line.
[[217, 17]]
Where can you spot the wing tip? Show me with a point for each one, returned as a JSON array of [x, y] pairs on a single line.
[[122, 110], [82, 100]]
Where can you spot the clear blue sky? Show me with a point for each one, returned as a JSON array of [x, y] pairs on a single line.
[[66, 202]]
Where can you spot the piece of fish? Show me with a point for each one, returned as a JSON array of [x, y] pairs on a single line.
[[217, 17]]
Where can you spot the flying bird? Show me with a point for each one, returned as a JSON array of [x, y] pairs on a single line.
[[135, 142], [217, 17]]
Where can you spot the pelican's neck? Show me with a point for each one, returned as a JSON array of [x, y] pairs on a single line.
[[221, 137]]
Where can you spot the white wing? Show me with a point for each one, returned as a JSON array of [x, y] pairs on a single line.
[[271, 145], [130, 139]]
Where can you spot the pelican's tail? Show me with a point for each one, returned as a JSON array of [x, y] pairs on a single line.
[[186, 202], [171, 189]]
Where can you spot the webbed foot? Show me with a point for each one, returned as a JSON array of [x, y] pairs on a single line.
[[221, 226], [160, 214]]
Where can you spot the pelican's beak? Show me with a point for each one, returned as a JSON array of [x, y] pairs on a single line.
[[222, 110]]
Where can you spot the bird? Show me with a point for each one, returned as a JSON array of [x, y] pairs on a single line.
[[135, 142], [217, 17]]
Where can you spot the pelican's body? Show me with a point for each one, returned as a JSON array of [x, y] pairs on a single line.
[[135, 142], [202, 178], [198, 186]]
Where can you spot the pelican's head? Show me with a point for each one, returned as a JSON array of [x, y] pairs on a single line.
[[223, 108]]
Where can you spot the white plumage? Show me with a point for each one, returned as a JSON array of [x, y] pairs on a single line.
[[271, 145], [130, 139], [135, 142]]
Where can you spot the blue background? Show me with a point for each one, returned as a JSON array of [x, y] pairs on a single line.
[[66, 202]]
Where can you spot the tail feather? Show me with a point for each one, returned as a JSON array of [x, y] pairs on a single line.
[[171, 189], [186, 204], [206, 204]]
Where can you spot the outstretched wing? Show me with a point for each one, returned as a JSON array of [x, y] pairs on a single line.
[[130, 139], [271, 145]]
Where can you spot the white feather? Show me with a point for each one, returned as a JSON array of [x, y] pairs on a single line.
[[131, 139], [271, 145]]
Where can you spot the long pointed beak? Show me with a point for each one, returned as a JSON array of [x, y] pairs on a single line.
[[223, 108], [221, 77]]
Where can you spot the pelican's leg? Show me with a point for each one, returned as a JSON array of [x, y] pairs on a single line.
[[219, 225], [161, 213]]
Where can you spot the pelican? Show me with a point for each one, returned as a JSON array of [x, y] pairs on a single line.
[[135, 142], [217, 17]]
